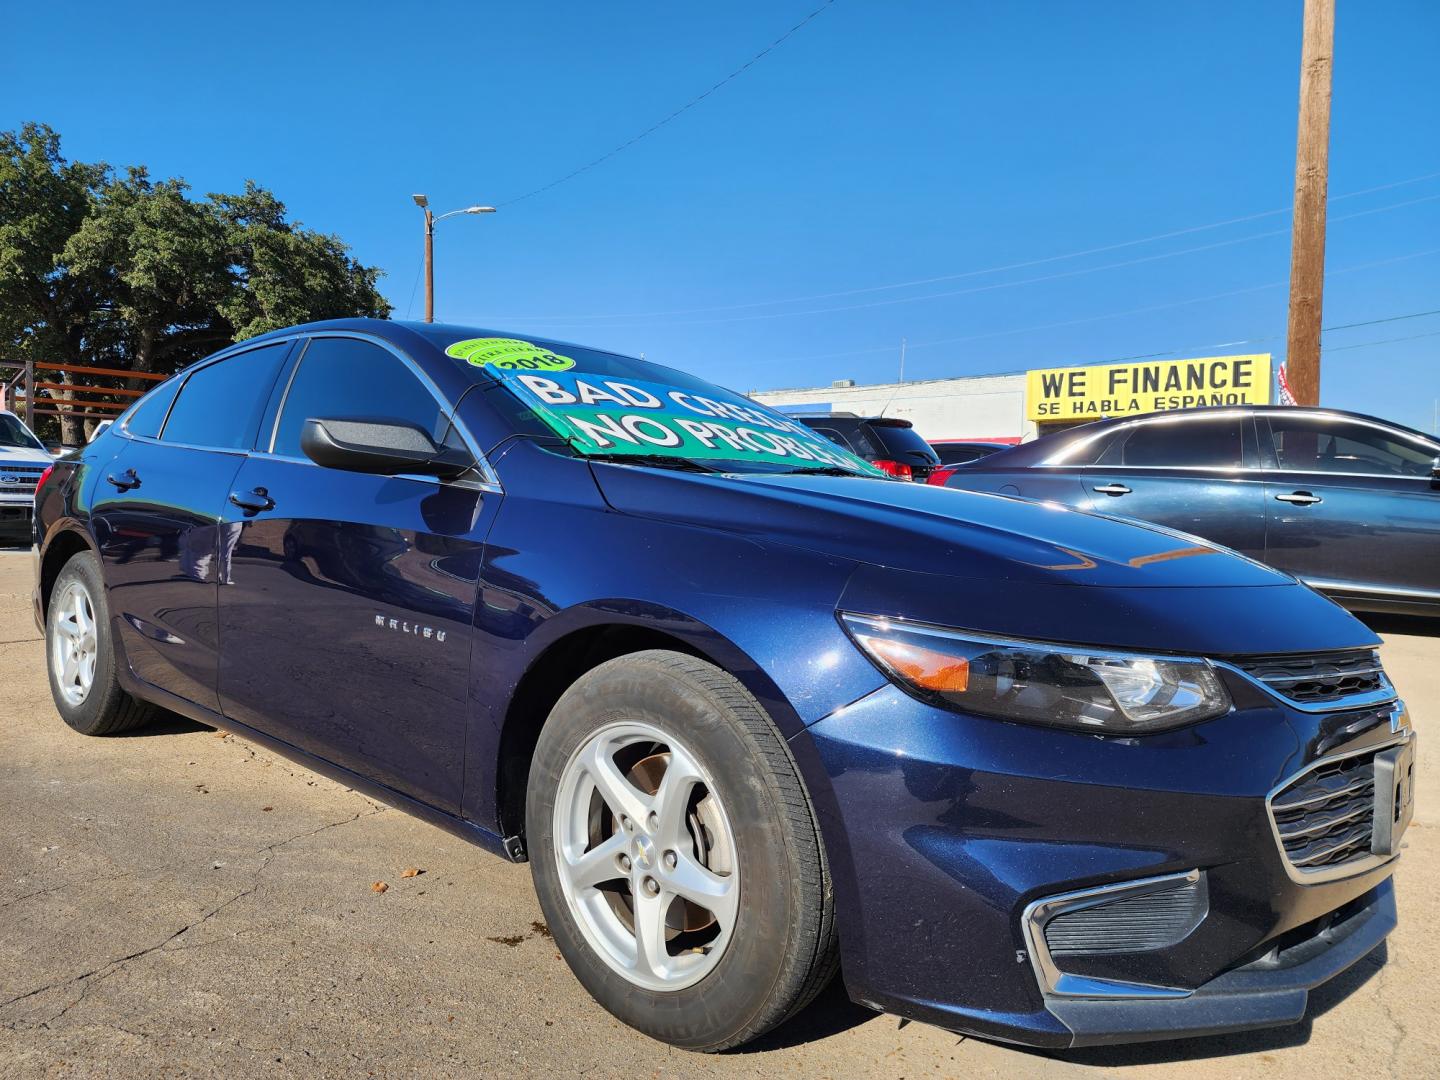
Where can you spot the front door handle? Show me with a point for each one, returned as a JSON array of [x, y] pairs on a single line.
[[253, 502], [1113, 489], [1300, 498], [125, 481]]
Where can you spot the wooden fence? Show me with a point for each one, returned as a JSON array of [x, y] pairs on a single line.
[[28, 396]]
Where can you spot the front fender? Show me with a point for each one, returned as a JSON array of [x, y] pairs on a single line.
[[763, 612]]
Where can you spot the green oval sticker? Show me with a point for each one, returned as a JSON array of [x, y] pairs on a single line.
[[509, 354]]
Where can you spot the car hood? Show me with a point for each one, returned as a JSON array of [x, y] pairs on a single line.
[[928, 529], [1006, 566], [24, 455]]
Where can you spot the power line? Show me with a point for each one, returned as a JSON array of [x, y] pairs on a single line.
[[985, 270], [683, 109], [1064, 274], [1116, 315], [1382, 341]]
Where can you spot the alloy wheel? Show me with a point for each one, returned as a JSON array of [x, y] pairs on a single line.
[[74, 646], [646, 856]]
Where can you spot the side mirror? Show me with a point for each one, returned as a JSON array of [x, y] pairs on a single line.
[[380, 447]]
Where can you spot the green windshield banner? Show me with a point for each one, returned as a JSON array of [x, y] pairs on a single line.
[[600, 415]]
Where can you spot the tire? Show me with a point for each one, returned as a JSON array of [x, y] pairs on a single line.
[[102, 707], [769, 946]]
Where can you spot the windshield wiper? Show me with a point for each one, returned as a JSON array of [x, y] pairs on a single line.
[[657, 461], [820, 470]]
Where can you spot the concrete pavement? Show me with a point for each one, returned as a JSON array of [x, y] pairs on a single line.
[[180, 903]]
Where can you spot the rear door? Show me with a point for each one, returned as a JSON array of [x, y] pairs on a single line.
[[1351, 505], [157, 518], [347, 613], [1194, 473]]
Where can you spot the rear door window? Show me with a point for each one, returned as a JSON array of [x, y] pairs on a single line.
[[219, 405], [148, 415], [1208, 443]]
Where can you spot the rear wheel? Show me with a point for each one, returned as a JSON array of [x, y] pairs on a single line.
[[81, 655], [676, 855]]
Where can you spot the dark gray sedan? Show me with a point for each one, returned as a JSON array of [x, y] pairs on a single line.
[[1347, 503]]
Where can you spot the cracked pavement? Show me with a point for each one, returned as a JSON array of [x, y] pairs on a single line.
[[181, 904]]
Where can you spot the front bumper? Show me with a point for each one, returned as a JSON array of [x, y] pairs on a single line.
[[16, 521], [1269, 992], [943, 830]]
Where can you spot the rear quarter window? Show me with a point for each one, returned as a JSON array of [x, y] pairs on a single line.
[[902, 444]]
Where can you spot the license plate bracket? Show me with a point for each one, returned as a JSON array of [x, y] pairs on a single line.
[[1394, 796]]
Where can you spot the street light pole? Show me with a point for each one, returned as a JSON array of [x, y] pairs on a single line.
[[430, 219]]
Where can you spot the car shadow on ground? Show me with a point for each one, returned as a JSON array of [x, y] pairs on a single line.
[[167, 723], [1322, 1000], [831, 1013]]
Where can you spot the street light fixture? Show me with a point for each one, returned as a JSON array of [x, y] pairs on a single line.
[[431, 218]]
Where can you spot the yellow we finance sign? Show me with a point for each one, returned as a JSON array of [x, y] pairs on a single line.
[[1089, 393]]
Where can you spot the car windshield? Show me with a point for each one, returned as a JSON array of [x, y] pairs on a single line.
[[15, 434], [618, 408]]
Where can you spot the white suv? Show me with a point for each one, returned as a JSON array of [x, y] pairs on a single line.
[[23, 458]]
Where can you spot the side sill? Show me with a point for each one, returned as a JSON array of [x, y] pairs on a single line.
[[466, 830]]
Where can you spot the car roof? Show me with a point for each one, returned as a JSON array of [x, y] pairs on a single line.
[[1045, 446]]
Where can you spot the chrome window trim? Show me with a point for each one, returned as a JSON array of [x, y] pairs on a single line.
[[1363, 865], [1261, 472], [489, 481], [468, 485], [1256, 415], [1056, 983], [1326, 585]]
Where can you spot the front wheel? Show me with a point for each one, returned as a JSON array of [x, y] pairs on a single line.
[[676, 855]]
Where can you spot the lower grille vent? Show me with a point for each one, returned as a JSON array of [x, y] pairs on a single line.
[[1137, 923]]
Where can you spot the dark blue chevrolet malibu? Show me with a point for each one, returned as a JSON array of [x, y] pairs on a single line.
[[1017, 770]]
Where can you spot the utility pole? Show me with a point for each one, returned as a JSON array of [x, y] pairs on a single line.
[[1312, 181], [902, 359]]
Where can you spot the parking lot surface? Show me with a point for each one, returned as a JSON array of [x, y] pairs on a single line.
[[181, 903]]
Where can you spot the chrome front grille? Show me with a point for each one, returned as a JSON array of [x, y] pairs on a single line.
[[19, 479], [1321, 678], [1327, 817], [1346, 814]]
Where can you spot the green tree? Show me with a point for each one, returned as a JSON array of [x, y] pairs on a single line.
[[115, 269]]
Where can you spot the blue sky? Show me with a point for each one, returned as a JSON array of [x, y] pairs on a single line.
[[882, 143]]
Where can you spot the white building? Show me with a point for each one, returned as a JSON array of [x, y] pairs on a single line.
[[986, 407]]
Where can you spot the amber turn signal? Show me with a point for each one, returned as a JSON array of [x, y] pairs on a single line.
[[928, 669]]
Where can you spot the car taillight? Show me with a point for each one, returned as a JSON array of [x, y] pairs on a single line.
[[939, 476], [894, 468], [43, 477]]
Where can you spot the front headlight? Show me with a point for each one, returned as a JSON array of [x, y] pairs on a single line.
[[1066, 686]]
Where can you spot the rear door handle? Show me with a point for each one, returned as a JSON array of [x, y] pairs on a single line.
[[253, 502], [1300, 498], [125, 481], [1113, 489]]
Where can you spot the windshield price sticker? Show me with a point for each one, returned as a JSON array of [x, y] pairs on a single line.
[[615, 416], [507, 354]]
